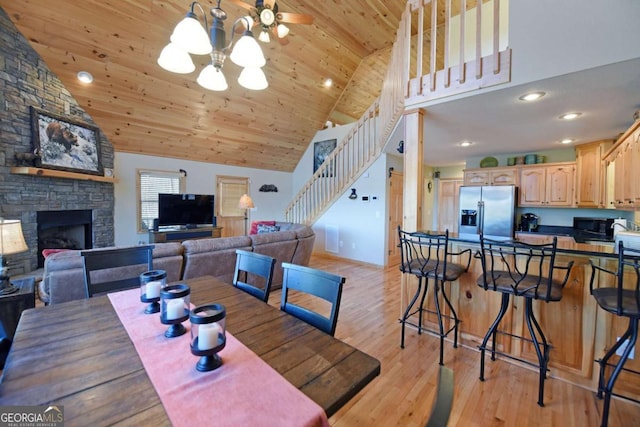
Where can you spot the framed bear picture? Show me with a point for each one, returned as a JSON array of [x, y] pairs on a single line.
[[65, 144]]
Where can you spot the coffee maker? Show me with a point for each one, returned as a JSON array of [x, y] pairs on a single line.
[[529, 222]]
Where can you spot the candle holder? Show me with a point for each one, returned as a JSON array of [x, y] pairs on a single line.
[[174, 309], [208, 335], [151, 283]]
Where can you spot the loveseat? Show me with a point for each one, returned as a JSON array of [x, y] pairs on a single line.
[[63, 278]]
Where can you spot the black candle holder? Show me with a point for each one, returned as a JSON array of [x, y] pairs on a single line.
[[151, 283], [208, 335], [174, 309]]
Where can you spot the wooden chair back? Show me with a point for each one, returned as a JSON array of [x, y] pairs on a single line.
[[318, 283], [254, 273], [96, 262]]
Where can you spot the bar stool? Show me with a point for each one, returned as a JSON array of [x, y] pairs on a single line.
[[623, 302], [522, 270], [426, 256]]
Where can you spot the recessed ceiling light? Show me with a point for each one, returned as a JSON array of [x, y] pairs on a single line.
[[532, 96], [567, 141], [570, 116], [328, 83], [466, 143], [85, 77]]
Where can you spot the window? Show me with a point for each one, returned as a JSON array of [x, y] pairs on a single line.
[[150, 183]]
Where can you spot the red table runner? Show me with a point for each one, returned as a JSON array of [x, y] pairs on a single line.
[[244, 391]]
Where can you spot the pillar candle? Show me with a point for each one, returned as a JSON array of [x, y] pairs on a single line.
[[153, 289], [175, 308], [208, 335]]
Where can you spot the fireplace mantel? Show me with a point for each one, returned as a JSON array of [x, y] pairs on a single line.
[[52, 173]]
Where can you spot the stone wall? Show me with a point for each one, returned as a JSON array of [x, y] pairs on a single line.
[[26, 81]]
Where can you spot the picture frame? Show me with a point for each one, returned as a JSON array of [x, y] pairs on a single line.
[[321, 150], [64, 144]]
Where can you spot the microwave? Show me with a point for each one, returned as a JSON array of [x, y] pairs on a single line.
[[598, 227]]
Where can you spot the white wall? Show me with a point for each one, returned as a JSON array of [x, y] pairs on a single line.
[[361, 225], [201, 179], [551, 38]]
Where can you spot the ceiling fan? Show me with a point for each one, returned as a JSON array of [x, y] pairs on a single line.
[[265, 13]]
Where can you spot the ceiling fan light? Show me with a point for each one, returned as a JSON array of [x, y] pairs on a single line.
[[253, 78], [267, 17], [264, 36], [176, 60], [191, 36], [212, 78], [283, 30], [247, 52]]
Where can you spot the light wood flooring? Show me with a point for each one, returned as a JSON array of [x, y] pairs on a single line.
[[404, 392]]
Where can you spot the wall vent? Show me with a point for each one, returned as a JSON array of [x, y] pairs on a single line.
[[331, 239]]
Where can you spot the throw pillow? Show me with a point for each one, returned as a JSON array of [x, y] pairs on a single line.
[[254, 225], [262, 228]]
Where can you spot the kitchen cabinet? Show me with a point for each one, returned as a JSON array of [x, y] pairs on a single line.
[[491, 176], [623, 164], [590, 182], [547, 185], [448, 195]]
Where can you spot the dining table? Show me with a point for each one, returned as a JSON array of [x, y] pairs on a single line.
[[79, 355]]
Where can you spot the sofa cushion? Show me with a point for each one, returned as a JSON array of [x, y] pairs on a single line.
[[263, 228], [213, 257], [254, 225]]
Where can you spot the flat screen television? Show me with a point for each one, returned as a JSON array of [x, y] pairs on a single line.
[[188, 210]]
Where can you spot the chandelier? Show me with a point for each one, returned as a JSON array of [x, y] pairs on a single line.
[[190, 37]]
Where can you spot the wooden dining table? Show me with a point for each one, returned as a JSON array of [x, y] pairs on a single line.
[[79, 355]]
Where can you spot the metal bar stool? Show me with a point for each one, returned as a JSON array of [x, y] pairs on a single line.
[[624, 302], [522, 270], [426, 256]]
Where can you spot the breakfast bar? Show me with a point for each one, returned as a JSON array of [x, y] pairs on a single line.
[[577, 330]]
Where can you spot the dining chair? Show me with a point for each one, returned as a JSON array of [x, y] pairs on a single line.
[[254, 273], [622, 301], [306, 280], [427, 256], [518, 269], [125, 266]]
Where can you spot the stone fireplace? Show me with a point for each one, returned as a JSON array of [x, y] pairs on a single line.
[[27, 82], [69, 229]]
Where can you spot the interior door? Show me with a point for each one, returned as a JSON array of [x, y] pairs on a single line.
[[235, 221], [395, 216]]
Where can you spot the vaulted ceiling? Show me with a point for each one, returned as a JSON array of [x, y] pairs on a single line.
[[141, 108]]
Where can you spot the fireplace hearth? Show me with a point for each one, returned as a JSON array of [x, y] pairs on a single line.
[[69, 229]]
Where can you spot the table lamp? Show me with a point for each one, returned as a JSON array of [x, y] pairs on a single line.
[[245, 203], [11, 242]]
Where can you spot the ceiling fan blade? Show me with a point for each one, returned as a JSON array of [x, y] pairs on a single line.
[[294, 18], [242, 4]]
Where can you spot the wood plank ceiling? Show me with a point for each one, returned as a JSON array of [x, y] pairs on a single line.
[[144, 109]]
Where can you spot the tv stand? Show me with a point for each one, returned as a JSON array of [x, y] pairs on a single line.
[[178, 235]]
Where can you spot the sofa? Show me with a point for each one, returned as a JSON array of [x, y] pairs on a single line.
[[63, 278]]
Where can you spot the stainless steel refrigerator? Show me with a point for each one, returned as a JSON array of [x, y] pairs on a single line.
[[487, 210]]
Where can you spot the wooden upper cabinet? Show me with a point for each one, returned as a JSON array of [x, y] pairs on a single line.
[[623, 160], [491, 176], [550, 185], [591, 174]]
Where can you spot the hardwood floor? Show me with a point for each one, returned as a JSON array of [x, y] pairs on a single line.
[[404, 392]]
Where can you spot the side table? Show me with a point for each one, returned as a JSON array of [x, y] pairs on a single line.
[[11, 307]]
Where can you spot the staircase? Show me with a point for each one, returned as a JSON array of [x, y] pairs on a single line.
[[433, 37]]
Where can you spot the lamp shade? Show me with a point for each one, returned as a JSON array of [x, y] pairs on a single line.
[[212, 78], [247, 52], [11, 238], [245, 202], [191, 36], [176, 60], [253, 78]]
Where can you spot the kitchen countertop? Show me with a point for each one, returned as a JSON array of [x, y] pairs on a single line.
[[567, 244]]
